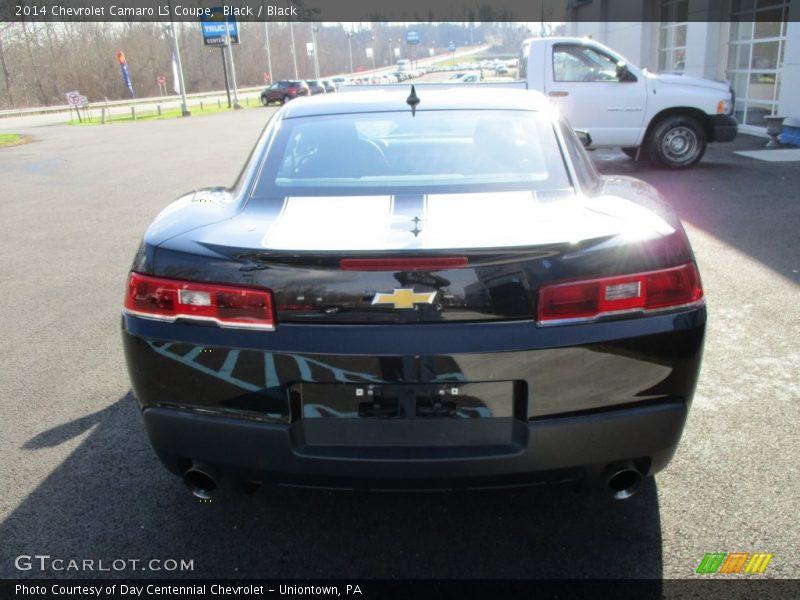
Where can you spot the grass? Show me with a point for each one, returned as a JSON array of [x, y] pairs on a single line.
[[459, 60], [122, 114], [10, 139]]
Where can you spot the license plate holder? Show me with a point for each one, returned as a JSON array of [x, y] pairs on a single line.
[[438, 400]]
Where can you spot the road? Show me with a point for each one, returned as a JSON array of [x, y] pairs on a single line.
[[78, 479]]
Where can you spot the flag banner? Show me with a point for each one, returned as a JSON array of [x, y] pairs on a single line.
[[126, 78]]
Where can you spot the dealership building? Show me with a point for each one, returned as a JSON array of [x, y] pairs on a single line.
[[753, 44]]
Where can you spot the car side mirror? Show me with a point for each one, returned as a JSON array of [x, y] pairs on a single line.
[[584, 137]]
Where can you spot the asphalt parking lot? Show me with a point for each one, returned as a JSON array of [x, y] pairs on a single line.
[[78, 479]]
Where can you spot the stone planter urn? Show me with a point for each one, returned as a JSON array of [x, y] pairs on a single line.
[[774, 128]]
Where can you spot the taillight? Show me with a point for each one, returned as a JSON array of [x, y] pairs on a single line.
[[404, 264], [577, 301], [171, 299]]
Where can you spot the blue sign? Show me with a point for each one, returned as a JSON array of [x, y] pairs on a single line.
[[451, 47], [214, 28], [412, 37]]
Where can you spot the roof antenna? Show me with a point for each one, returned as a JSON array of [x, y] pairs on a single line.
[[413, 100]]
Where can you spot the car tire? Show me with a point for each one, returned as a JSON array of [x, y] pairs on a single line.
[[285, 99], [264, 101], [677, 142]]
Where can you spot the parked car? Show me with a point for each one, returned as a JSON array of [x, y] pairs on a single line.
[[470, 78], [283, 91], [329, 85], [315, 86], [432, 290]]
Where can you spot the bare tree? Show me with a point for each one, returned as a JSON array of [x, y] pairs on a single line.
[[6, 75]]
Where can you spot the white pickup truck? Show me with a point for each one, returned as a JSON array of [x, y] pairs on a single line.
[[669, 118]]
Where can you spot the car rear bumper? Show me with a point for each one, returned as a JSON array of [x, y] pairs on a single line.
[[579, 448], [724, 127], [527, 404]]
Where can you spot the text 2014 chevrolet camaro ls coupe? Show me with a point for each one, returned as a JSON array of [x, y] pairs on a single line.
[[435, 290]]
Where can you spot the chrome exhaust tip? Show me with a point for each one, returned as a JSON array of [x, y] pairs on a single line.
[[624, 482], [201, 481]]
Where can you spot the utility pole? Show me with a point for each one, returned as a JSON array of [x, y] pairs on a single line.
[[294, 52], [236, 104], [314, 31], [266, 46], [177, 52], [225, 74], [350, 47]]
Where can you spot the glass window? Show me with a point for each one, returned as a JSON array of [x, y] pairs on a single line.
[[756, 111], [672, 36], [588, 178], [765, 55], [766, 27], [755, 57], [581, 63], [395, 152]]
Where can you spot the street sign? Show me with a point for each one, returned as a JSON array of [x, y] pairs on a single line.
[[214, 28], [412, 37], [161, 80], [451, 47], [73, 98], [309, 48]]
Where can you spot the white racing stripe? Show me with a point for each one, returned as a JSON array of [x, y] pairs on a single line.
[[475, 220], [331, 223]]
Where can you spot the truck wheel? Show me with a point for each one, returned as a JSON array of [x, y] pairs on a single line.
[[677, 142], [264, 100]]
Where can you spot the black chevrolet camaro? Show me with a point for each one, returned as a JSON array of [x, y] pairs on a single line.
[[434, 291]]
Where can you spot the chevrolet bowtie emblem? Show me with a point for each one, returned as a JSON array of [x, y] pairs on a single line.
[[404, 298]]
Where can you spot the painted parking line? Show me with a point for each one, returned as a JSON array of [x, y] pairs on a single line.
[[779, 155]]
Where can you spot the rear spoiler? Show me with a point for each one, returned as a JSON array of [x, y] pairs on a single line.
[[433, 86]]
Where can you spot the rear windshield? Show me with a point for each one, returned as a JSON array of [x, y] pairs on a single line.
[[477, 150]]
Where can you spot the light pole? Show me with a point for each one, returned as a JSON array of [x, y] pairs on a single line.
[[314, 31], [372, 41], [177, 54], [236, 104], [294, 53], [266, 46], [350, 47]]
